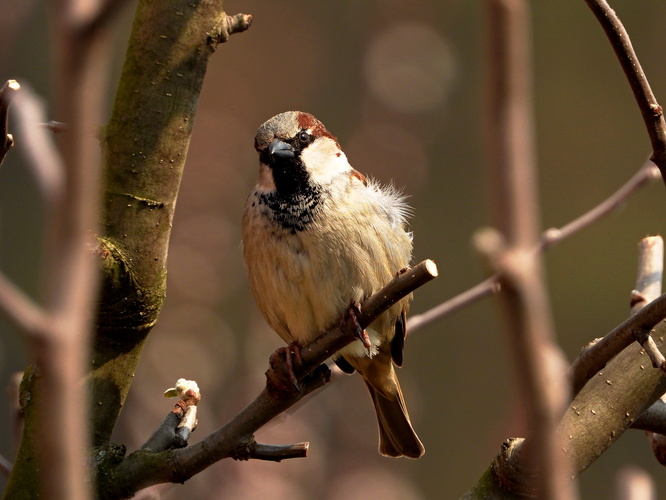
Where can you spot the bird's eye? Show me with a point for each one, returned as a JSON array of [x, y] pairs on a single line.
[[304, 136]]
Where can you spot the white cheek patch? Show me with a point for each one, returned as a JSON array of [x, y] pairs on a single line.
[[324, 160]]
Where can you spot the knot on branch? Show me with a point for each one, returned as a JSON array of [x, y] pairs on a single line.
[[509, 469], [244, 450], [227, 27], [125, 304]]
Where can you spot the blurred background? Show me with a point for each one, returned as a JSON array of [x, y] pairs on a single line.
[[401, 86]]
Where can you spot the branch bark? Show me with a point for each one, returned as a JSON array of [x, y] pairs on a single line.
[[651, 110], [144, 149]]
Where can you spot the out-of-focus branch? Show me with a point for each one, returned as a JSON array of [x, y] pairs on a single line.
[[652, 112], [236, 438], [56, 413], [538, 362], [6, 139], [38, 147], [634, 484], [21, 310], [5, 467], [87, 16], [646, 174]]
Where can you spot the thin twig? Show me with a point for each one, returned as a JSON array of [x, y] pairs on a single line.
[[652, 112], [595, 356], [647, 173], [650, 272], [21, 310], [5, 467], [277, 453]]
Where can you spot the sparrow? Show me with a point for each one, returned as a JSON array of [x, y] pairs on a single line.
[[319, 238]]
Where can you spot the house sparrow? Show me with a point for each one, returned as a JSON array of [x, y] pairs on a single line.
[[319, 238]]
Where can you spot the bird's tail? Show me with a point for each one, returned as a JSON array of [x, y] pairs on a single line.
[[396, 434]]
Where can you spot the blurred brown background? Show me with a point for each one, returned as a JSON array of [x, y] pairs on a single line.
[[400, 84]]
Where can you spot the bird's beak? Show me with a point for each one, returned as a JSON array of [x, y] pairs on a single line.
[[280, 150]]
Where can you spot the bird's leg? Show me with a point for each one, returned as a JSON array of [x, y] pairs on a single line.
[[282, 363], [353, 312]]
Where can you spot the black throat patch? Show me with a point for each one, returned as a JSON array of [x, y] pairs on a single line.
[[294, 211]]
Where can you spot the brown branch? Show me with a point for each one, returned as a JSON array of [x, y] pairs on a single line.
[[647, 173], [537, 360], [277, 453], [22, 310], [235, 439], [6, 93], [550, 237], [595, 356], [652, 112]]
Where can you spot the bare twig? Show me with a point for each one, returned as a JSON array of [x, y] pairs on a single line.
[[595, 356], [6, 93], [228, 26], [20, 309], [5, 466], [277, 453], [235, 439], [647, 173], [650, 272], [652, 112]]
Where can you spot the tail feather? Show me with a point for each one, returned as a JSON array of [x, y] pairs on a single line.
[[396, 435]]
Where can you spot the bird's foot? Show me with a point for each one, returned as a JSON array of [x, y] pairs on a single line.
[[281, 376], [352, 313]]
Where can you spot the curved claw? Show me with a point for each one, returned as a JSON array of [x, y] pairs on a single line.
[[285, 356], [360, 333]]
